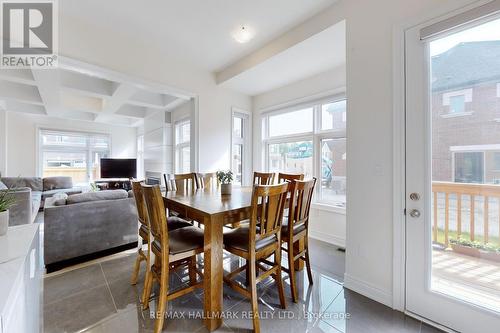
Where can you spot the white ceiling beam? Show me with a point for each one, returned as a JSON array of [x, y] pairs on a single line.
[[299, 33], [71, 101], [86, 85], [149, 99], [121, 94], [20, 92], [16, 106], [132, 111], [48, 83], [23, 76]]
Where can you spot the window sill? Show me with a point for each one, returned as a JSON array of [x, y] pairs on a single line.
[[454, 115], [328, 208]]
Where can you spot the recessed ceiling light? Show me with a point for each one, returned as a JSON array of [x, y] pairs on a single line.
[[243, 34]]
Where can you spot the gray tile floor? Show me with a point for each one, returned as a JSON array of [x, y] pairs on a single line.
[[99, 298]]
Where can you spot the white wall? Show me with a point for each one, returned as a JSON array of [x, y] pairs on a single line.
[[3, 142], [110, 49], [326, 225], [22, 136], [157, 132]]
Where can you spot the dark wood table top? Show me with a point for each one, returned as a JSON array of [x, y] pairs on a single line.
[[210, 201]]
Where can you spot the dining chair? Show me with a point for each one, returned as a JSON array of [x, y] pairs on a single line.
[[181, 182], [283, 177], [142, 217], [257, 241], [206, 180], [263, 178], [171, 249], [295, 228]]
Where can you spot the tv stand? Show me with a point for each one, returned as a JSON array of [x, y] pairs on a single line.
[[113, 184]]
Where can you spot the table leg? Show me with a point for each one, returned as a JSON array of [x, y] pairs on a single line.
[[298, 247], [213, 271]]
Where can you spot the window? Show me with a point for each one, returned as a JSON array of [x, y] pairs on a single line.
[[333, 170], [496, 161], [239, 144], [294, 122], [469, 167], [73, 154], [310, 140], [333, 115], [457, 104], [182, 146]]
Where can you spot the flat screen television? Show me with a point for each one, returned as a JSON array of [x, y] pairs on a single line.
[[118, 168]]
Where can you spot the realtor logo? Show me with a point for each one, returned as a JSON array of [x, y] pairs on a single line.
[[29, 34]]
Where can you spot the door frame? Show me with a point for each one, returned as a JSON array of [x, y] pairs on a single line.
[[399, 144]]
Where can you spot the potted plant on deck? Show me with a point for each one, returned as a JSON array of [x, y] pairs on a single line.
[[225, 179], [6, 201]]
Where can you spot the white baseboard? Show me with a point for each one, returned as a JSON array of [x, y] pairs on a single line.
[[368, 290], [332, 239]]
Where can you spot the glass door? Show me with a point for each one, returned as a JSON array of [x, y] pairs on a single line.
[[453, 178]]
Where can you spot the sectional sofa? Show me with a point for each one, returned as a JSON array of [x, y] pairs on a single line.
[[30, 194]]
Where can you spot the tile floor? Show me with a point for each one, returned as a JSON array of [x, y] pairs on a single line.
[[98, 297]]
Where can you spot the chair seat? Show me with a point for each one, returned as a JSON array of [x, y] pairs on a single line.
[[296, 229], [175, 222], [183, 240], [238, 239]]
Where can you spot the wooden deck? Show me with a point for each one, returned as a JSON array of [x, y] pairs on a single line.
[[468, 278]]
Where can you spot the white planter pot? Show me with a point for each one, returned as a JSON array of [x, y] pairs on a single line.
[[225, 189], [4, 222]]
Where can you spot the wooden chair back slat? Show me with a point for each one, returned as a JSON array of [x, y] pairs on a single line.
[[300, 203], [156, 214], [263, 178], [283, 177], [142, 213], [186, 182], [206, 180], [268, 203]]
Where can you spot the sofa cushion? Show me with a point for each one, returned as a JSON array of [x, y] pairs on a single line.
[[97, 196], [34, 183], [68, 191], [54, 183], [2, 186]]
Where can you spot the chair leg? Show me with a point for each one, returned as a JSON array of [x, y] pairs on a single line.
[[247, 273], [192, 270], [291, 268], [137, 267], [148, 282], [162, 300], [279, 278], [253, 293], [308, 261]]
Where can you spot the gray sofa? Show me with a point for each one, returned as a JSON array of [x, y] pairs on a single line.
[[88, 223], [30, 194]]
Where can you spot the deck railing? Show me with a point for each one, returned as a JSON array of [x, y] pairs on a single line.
[[461, 191]]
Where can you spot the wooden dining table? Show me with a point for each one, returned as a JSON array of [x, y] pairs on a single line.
[[213, 210]]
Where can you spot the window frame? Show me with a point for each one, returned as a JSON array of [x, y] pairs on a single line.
[[179, 146], [245, 141], [88, 149], [316, 136]]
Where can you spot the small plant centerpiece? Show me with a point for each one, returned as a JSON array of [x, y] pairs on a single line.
[[6, 201], [225, 179]]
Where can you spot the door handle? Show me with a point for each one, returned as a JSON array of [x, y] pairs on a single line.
[[415, 213]]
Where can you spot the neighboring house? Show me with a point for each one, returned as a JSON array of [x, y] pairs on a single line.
[[466, 113]]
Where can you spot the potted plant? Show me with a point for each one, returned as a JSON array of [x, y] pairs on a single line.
[[6, 201], [225, 179]]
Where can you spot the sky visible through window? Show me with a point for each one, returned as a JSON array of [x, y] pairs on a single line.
[[485, 32]]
